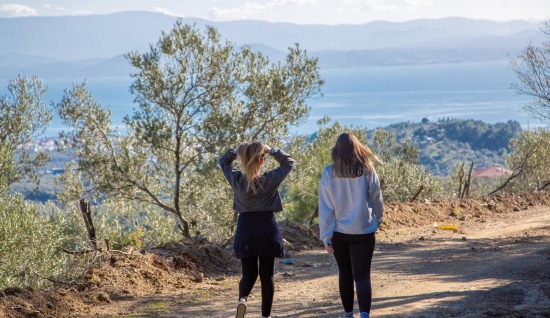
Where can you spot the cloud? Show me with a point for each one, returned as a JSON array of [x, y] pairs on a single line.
[[392, 5], [248, 9], [291, 2], [83, 12], [16, 10], [242, 12], [165, 11]]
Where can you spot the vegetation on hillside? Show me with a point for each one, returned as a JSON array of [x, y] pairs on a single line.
[[446, 143]]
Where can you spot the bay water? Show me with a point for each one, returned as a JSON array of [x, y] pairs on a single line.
[[369, 97]]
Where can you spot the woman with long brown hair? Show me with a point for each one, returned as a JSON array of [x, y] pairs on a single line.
[[350, 210], [256, 199]]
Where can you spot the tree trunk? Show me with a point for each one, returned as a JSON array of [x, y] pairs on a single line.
[[87, 215], [184, 224], [460, 178], [315, 214], [417, 193], [468, 182]]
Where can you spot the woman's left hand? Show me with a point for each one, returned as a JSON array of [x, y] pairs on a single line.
[[329, 248]]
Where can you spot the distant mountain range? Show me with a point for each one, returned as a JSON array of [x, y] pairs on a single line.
[[92, 46]]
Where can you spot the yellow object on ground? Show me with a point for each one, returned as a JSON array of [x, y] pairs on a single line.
[[448, 227]]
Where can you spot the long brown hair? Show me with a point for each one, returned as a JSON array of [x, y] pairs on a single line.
[[251, 154], [351, 158]]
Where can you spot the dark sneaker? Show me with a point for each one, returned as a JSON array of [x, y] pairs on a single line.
[[241, 309]]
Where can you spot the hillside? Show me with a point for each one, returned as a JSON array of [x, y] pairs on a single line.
[[92, 46], [446, 143]]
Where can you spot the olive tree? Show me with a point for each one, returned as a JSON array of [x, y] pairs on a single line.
[[23, 118], [529, 160], [401, 175], [532, 68], [196, 95]]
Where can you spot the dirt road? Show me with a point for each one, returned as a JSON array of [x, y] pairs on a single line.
[[498, 268]]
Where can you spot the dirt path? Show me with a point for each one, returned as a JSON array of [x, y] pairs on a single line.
[[499, 268]]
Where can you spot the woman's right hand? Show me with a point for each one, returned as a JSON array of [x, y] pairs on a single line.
[[267, 149], [329, 248], [328, 245]]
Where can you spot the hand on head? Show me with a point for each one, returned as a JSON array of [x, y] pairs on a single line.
[[267, 149]]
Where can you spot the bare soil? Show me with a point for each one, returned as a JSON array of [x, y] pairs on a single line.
[[497, 264]]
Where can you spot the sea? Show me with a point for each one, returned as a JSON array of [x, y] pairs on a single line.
[[368, 97]]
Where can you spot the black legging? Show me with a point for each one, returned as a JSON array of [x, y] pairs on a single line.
[[353, 255], [250, 274]]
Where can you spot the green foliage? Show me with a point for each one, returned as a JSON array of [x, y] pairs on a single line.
[[31, 243], [23, 117], [131, 238], [447, 143], [132, 224], [197, 96], [8, 171], [123, 223], [530, 160], [401, 175], [477, 134]]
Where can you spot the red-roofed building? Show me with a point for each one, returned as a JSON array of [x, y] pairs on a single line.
[[494, 171]]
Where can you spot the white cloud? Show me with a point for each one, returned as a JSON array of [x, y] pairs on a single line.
[[165, 11], [242, 12], [248, 9], [83, 12], [49, 6], [392, 5], [418, 3], [291, 2], [16, 10]]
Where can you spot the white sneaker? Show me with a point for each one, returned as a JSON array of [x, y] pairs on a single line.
[[241, 309]]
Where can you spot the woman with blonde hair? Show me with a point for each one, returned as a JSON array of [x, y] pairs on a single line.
[[350, 210], [256, 199]]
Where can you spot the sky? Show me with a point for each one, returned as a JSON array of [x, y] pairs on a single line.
[[293, 11]]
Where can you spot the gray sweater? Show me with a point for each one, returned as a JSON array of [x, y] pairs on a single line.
[[267, 197]]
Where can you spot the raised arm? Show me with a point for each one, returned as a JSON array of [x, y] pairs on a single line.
[[226, 164], [286, 163]]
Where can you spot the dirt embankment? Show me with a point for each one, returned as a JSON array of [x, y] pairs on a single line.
[[121, 283]]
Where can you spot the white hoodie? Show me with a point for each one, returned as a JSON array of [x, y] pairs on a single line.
[[349, 205]]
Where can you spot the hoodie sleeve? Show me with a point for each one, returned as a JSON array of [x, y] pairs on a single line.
[[327, 218], [286, 163], [375, 197], [231, 174]]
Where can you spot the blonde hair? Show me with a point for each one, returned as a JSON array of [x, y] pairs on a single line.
[[250, 154], [351, 158]]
